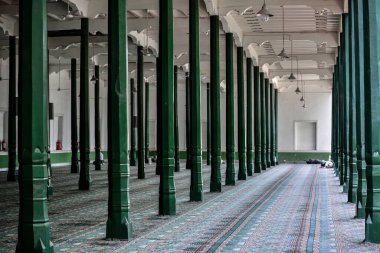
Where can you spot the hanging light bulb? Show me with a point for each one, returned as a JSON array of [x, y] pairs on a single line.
[[69, 14], [282, 55], [292, 78], [146, 51], [297, 91], [302, 99], [264, 14]]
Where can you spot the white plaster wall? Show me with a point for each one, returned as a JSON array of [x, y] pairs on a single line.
[[319, 109], [290, 110]]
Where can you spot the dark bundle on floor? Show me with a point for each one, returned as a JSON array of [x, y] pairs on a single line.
[[316, 161]]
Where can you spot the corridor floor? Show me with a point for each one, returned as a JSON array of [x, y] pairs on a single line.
[[289, 208]]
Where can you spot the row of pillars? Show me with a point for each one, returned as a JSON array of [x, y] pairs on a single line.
[[34, 227], [356, 108]]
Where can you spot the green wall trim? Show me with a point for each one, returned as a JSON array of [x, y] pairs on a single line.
[[65, 157], [56, 158], [302, 156]]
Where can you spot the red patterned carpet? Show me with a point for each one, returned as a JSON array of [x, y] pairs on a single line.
[[289, 208]]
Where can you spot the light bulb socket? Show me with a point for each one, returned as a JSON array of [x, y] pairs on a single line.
[[94, 78], [292, 77], [283, 55], [264, 12]]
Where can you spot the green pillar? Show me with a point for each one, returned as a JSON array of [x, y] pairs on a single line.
[[371, 16], [257, 118], [267, 121], [341, 109], [176, 134], [159, 118], [208, 156], [230, 121], [84, 136], [74, 115], [12, 111], [249, 118], [132, 152], [196, 187], [352, 151], [276, 126], [335, 122], [147, 157], [216, 180], [33, 228], [119, 225], [346, 83], [98, 165], [167, 198], [140, 114], [188, 138], [263, 123], [272, 126], [360, 85], [334, 109], [242, 175]]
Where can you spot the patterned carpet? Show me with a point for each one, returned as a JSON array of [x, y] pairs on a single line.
[[290, 208]]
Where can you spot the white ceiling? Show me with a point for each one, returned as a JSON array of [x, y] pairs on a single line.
[[311, 34]]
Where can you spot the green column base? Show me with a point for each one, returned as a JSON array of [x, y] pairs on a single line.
[[345, 188], [119, 227], [98, 165], [85, 184], [250, 169], [372, 221], [141, 165], [242, 174], [230, 174], [196, 193], [132, 158], [41, 244], [167, 200], [257, 168], [216, 186], [360, 210], [216, 178], [372, 228], [263, 166], [341, 165], [362, 190], [353, 181], [74, 167], [177, 167]]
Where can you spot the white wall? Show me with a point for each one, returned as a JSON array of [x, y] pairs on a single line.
[[290, 111], [319, 109]]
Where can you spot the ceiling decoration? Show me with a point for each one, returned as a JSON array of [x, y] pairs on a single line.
[[308, 30]]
